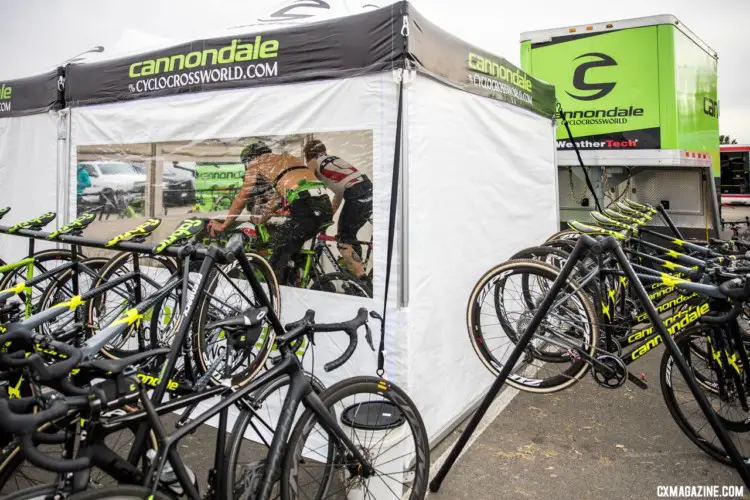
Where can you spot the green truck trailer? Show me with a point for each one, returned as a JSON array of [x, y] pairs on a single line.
[[640, 96]]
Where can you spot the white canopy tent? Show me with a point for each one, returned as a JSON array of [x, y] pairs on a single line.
[[475, 154], [28, 155]]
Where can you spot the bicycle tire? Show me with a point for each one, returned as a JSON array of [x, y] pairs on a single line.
[[52, 294], [557, 257], [259, 401], [206, 315], [39, 492], [565, 234], [12, 459], [707, 442], [376, 389], [577, 368], [45, 256], [96, 309], [121, 492], [348, 283], [222, 203]]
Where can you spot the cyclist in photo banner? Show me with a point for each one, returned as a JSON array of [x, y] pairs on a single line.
[[351, 187], [303, 197]]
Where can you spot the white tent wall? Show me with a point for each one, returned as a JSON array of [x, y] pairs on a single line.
[[323, 108], [482, 185], [28, 169]]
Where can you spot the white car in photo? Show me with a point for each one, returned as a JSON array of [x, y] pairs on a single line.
[[115, 175]]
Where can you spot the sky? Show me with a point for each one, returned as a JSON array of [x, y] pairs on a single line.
[[38, 35]]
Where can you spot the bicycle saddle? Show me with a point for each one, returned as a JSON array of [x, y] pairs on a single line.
[[594, 230], [639, 206], [185, 231], [116, 366], [34, 224], [76, 227], [4, 211], [622, 217], [610, 223], [632, 211], [249, 318], [137, 235], [242, 330]]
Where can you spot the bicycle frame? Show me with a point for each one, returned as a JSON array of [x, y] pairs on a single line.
[[598, 246]]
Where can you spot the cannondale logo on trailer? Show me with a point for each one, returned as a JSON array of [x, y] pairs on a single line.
[[579, 77]]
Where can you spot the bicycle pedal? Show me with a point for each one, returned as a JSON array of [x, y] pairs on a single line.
[[638, 381]]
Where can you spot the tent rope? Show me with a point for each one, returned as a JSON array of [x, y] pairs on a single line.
[[391, 223]]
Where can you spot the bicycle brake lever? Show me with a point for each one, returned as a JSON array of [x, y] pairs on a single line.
[[368, 336], [375, 315]]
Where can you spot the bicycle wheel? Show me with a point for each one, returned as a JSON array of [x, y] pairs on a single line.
[[344, 283], [565, 234], [16, 474], [556, 357], [384, 425], [39, 492], [223, 203], [61, 290], [228, 293], [252, 434], [557, 258], [121, 492], [44, 261], [684, 408], [154, 272]]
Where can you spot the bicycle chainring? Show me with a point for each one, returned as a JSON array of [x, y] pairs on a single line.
[[612, 375], [617, 346]]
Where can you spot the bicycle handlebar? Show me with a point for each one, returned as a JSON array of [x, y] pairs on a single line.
[[25, 425], [307, 326], [43, 372]]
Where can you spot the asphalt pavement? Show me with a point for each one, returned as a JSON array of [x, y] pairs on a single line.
[[583, 443]]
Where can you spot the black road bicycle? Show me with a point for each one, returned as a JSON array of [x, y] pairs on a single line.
[[346, 461]]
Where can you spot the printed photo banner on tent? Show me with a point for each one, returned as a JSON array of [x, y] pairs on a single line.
[[31, 95]]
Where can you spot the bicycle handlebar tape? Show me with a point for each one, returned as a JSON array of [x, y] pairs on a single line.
[[25, 426], [350, 328], [724, 318], [17, 359], [307, 319], [234, 246], [56, 371], [347, 353], [47, 462], [27, 423]]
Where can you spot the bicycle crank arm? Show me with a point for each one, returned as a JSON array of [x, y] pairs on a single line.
[[637, 381]]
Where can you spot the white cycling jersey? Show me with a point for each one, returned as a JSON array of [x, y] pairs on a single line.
[[337, 174]]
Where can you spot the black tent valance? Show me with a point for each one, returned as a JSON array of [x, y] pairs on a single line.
[[374, 41], [32, 95]]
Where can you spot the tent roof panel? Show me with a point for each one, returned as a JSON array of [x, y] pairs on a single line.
[[457, 63], [335, 48], [373, 41], [31, 95]]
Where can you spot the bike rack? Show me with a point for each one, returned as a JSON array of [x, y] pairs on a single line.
[[597, 247]]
